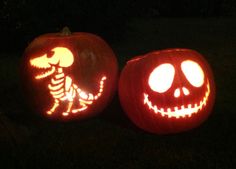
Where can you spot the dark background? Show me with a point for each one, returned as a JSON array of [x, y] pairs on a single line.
[[110, 140], [21, 21]]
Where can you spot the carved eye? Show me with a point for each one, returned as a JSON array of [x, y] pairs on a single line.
[[50, 54], [161, 78], [193, 72]]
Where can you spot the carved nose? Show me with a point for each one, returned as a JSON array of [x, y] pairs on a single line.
[[179, 91]]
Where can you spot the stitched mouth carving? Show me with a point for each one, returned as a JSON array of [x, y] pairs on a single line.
[[182, 111]]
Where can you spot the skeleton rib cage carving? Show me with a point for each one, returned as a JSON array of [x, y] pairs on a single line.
[[62, 88]]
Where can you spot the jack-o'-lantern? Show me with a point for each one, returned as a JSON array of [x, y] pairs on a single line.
[[69, 76], [167, 91]]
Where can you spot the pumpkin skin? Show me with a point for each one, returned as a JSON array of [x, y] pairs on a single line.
[[69, 76], [167, 91]]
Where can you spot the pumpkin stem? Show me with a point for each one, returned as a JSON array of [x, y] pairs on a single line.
[[65, 31]]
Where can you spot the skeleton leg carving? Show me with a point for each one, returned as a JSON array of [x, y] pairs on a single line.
[[68, 109], [55, 105], [83, 106]]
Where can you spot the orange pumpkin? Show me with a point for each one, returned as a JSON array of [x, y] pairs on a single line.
[[167, 91], [69, 76]]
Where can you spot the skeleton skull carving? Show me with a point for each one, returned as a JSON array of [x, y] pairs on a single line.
[[169, 91], [57, 57]]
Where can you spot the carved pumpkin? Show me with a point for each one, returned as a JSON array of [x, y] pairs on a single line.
[[167, 91], [69, 76]]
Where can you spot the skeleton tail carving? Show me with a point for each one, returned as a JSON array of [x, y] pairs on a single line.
[[87, 99]]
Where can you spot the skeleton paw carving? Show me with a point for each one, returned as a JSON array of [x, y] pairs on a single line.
[[65, 113], [49, 112]]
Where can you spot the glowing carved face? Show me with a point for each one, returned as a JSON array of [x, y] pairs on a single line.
[[177, 86]]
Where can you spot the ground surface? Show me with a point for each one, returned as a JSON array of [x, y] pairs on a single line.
[[110, 140]]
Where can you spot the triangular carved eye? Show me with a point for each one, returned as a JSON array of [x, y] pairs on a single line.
[[161, 78], [193, 72]]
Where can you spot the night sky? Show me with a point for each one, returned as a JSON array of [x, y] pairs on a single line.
[[21, 21]]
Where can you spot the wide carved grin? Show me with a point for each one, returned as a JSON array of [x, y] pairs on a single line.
[[182, 111]]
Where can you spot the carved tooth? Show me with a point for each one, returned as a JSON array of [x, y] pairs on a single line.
[[145, 98], [201, 103], [204, 101], [183, 115], [200, 108], [177, 116], [169, 112], [176, 108], [155, 109], [149, 104], [182, 107], [190, 106]]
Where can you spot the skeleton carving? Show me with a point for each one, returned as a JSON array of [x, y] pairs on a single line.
[[61, 87]]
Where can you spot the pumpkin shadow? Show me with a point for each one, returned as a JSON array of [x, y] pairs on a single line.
[[114, 114]]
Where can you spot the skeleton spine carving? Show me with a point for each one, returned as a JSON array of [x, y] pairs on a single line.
[[61, 87]]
